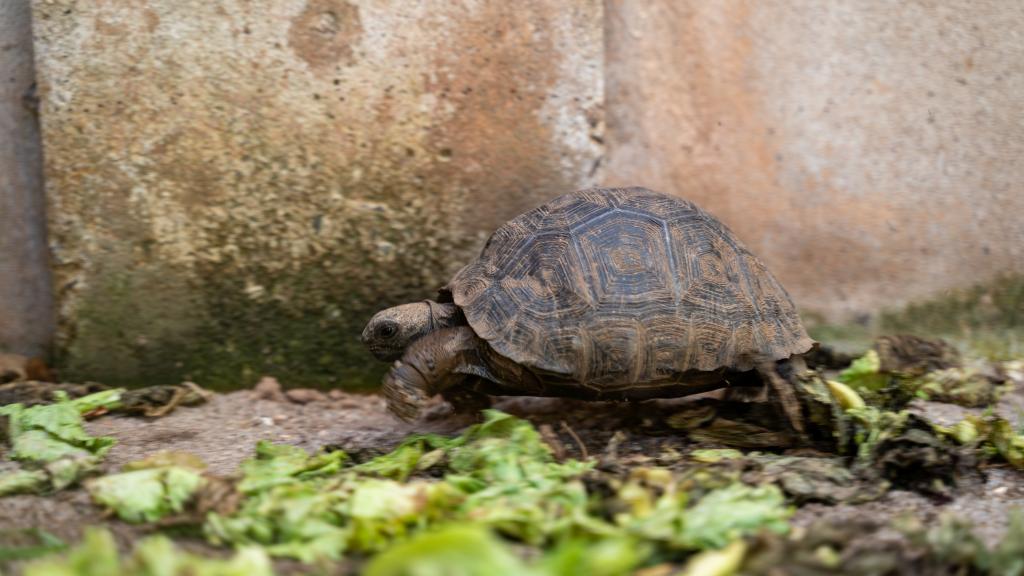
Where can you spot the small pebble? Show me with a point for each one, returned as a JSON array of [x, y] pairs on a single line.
[[268, 388], [305, 395]]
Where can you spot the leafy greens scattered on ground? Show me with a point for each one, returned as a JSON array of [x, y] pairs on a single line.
[[97, 554], [498, 476], [50, 444]]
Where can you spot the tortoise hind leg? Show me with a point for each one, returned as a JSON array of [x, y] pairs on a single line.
[[433, 364], [466, 398], [463, 400], [783, 393]]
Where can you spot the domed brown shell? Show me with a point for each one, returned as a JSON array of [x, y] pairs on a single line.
[[622, 287]]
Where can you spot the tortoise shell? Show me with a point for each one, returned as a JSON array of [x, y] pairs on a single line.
[[620, 287]]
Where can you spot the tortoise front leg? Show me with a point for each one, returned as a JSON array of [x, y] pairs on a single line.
[[431, 365]]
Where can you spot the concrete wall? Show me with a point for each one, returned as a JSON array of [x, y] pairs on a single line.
[[236, 186], [868, 150], [26, 315]]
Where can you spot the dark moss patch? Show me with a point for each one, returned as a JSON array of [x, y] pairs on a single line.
[[128, 321], [850, 338], [992, 306], [224, 324], [988, 318], [315, 347]]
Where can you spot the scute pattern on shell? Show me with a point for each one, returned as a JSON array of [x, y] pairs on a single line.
[[623, 287]]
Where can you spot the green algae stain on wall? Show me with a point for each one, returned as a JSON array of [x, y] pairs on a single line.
[[233, 192], [986, 319]]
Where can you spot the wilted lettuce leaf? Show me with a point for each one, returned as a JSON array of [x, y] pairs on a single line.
[[712, 455], [301, 520], [612, 556], [723, 562], [41, 447], [46, 432], [66, 471], [965, 386], [381, 510], [28, 544], [167, 458], [277, 464], [514, 484], [728, 513], [462, 550], [543, 509], [293, 505], [1007, 442], [107, 399], [51, 438], [97, 555], [158, 556], [415, 453], [20, 481], [1008, 556], [325, 518], [970, 386], [651, 505], [864, 373], [146, 495], [498, 475], [996, 437], [502, 449], [874, 426]]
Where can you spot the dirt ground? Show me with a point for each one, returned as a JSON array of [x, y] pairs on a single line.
[[224, 430]]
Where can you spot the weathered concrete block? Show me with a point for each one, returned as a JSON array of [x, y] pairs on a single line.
[[26, 308], [235, 186], [866, 149]]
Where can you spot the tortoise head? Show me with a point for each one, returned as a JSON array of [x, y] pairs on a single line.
[[390, 331]]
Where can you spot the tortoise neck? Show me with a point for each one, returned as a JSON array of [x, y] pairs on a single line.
[[443, 315]]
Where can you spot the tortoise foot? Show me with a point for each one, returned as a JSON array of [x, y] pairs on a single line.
[[465, 400]]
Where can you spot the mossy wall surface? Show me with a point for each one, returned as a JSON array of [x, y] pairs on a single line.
[[236, 186], [984, 319]]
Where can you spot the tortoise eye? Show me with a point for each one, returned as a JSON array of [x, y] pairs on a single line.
[[387, 330]]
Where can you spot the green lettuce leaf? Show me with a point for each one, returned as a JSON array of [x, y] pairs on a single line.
[[277, 464], [146, 495], [732, 512], [97, 555], [50, 439], [460, 550]]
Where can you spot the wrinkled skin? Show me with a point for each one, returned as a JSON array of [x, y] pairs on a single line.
[[392, 330]]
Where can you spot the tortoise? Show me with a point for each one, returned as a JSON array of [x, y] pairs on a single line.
[[601, 294]]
